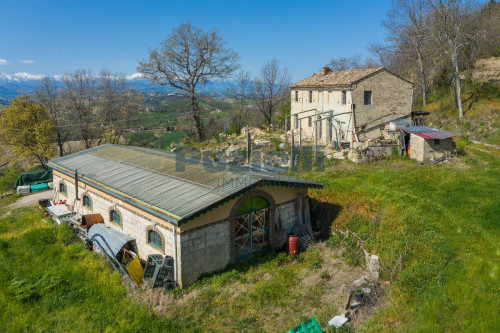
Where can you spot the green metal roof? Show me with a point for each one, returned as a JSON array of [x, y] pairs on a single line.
[[171, 186]]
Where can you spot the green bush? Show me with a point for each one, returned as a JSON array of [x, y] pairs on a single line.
[[8, 180]]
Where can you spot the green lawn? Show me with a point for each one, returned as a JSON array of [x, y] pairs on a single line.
[[436, 229]]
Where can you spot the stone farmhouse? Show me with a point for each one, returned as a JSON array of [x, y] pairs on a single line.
[[203, 214], [350, 105]]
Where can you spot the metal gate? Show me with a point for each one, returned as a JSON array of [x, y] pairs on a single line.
[[251, 233]]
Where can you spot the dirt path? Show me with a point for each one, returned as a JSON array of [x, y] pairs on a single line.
[[28, 200]]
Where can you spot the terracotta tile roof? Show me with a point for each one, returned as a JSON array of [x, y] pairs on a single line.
[[340, 78]]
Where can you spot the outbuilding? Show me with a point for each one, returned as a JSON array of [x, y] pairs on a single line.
[[204, 214], [424, 144]]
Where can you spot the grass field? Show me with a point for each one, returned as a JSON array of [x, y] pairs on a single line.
[[435, 228]]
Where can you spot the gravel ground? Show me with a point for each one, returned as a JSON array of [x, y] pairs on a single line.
[[28, 200]]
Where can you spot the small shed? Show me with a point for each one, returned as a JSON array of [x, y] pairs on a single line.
[[424, 143]]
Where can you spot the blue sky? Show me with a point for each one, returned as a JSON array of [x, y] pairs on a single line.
[[55, 37]]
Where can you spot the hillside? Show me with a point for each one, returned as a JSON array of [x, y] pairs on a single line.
[[481, 103], [435, 228]]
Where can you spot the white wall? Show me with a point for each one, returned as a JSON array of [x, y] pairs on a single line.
[[323, 100], [131, 224]]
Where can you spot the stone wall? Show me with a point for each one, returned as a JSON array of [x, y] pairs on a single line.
[[424, 150], [391, 99]]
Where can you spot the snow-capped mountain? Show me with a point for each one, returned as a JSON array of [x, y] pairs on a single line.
[[11, 85]]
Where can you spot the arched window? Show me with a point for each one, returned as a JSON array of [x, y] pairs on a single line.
[[115, 217], [87, 202], [62, 188], [154, 238]]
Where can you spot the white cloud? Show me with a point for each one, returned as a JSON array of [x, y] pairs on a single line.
[[27, 61], [3, 62]]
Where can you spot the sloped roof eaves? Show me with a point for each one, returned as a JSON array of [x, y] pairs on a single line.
[[137, 185], [343, 78], [428, 133]]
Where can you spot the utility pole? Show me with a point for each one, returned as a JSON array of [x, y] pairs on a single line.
[[315, 141], [286, 138], [300, 134], [249, 146]]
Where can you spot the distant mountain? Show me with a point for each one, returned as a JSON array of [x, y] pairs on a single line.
[[11, 85]]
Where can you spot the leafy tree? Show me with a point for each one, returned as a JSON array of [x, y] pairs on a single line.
[[28, 129], [271, 88], [188, 57]]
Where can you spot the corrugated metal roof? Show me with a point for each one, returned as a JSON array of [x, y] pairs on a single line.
[[115, 239], [337, 78], [427, 132], [176, 186]]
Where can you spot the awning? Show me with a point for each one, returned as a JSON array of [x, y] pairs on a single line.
[[427, 133], [116, 239]]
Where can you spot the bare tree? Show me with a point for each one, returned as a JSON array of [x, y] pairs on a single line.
[[353, 62], [47, 94], [117, 104], [408, 30], [271, 88], [188, 57], [240, 92], [79, 96], [451, 24]]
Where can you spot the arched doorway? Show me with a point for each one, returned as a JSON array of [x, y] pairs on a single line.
[[251, 227]]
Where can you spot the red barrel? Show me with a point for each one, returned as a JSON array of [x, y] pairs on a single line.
[[293, 244]]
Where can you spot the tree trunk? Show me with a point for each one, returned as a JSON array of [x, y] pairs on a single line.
[[196, 117], [454, 60], [422, 76], [60, 144]]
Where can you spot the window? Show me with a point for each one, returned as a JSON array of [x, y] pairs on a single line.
[[154, 238], [62, 188], [368, 97], [310, 96], [310, 121], [296, 96], [114, 216], [344, 97], [437, 142], [87, 202], [296, 121]]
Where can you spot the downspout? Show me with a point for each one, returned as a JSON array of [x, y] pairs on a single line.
[[174, 235], [76, 184]]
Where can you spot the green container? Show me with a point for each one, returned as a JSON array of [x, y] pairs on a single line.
[[39, 187], [309, 326]]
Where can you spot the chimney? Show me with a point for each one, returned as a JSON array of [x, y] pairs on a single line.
[[325, 70]]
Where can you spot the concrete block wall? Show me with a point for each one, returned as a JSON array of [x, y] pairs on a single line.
[[204, 249]]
